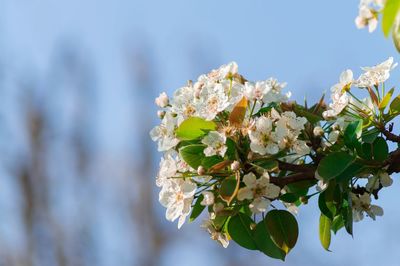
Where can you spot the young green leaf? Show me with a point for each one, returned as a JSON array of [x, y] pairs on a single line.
[[386, 99], [239, 228], [283, 227], [193, 128], [325, 231], [389, 15], [334, 164], [197, 209], [394, 107], [337, 223], [352, 133]]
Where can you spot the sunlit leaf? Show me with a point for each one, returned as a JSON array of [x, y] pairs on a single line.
[[325, 231], [193, 128]]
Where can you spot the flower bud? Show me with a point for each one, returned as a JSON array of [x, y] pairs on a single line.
[[318, 131], [208, 198], [160, 114], [162, 100], [304, 200], [201, 170], [235, 166]]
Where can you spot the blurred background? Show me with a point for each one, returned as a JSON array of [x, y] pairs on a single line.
[[77, 86]]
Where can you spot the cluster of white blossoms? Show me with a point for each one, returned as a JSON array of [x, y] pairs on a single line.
[[240, 150], [372, 76], [368, 11]]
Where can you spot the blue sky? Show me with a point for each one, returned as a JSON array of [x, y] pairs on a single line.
[[305, 43]]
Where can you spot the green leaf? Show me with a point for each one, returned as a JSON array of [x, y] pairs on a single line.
[[208, 162], [289, 197], [386, 99], [283, 227], [347, 214], [380, 149], [389, 15], [239, 228], [266, 109], [334, 164], [337, 223], [264, 242], [394, 107], [370, 136], [231, 149], [350, 172], [352, 133], [193, 128], [193, 154], [325, 231], [326, 205], [197, 209]]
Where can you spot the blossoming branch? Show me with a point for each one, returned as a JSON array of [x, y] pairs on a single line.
[[242, 152]]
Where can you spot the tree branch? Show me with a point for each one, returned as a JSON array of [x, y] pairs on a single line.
[[294, 178]]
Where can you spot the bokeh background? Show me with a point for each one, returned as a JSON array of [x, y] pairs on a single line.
[[77, 83]]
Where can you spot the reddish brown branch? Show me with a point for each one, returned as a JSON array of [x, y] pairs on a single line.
[[294, 178]]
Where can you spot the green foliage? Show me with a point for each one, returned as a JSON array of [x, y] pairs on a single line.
[[240, 230], [380, 149], [264, 242], [390, 12], [194, 128], [197, 209], [334, 164], [352, 133], [325, 231], [282, 226]]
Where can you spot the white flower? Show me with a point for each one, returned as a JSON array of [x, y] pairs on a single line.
[[162, 100], [255, 91], [212, 101], [263, 139], [215, 142], [362, 204], [164, 133], [376, 74], [288, 128], [318, 131], [382, 178], [385, 179], [274, 91], [366, 18], [259, 190], [208, 198], [177, 197], [222, 72], [218, 236], [168, 169], [339, 97], [183, 103]]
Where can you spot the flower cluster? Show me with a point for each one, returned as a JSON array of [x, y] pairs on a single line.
[[250, 157], [368, 11]]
